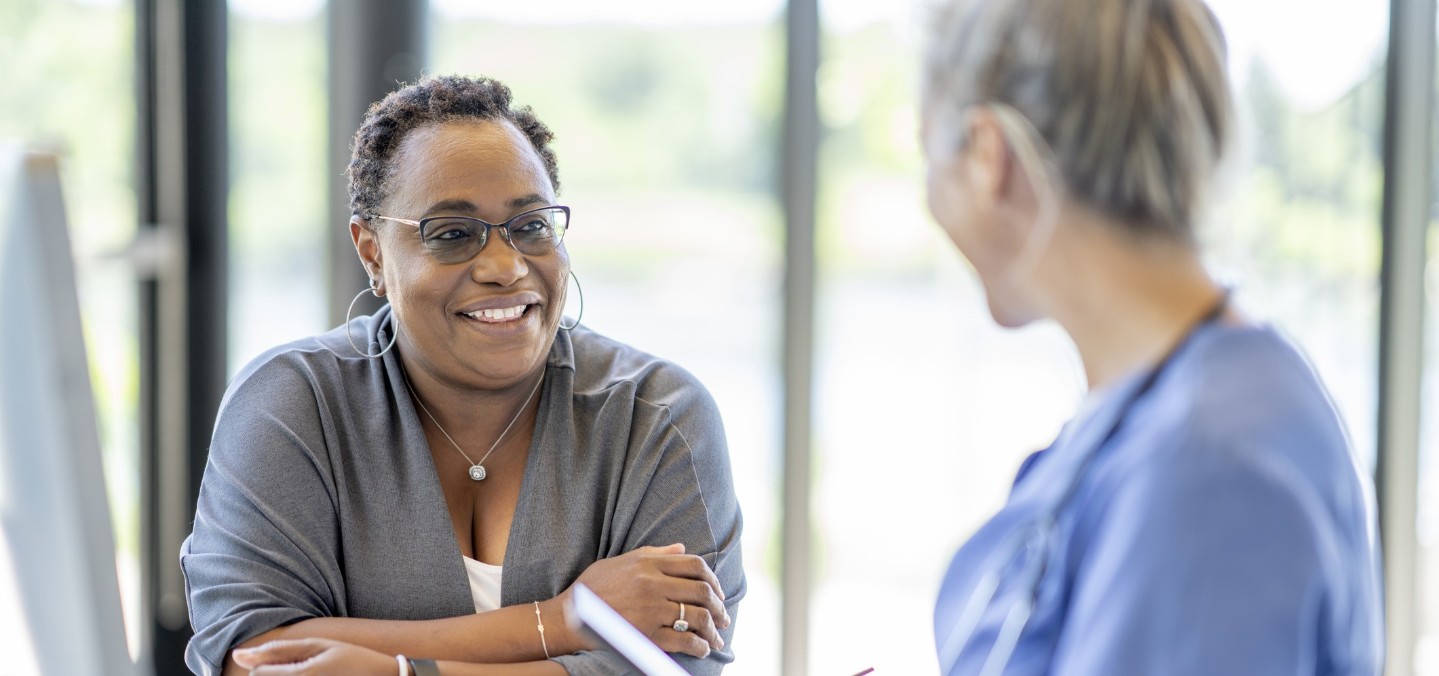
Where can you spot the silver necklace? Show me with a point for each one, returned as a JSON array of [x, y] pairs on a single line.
[[477, 469]]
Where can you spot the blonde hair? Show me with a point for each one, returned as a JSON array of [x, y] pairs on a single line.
[[1131, 96]]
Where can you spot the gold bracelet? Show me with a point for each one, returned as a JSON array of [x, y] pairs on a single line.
[[540, 624]]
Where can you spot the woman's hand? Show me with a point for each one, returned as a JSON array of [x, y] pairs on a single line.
[[314, 656], [647, 585]]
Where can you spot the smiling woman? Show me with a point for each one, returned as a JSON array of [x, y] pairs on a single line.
[[460, 174], [431, 480]]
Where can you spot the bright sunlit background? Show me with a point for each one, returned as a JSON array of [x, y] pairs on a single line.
[[667, 121]]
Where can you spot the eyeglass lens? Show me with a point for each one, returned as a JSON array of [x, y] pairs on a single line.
[[454, 239]]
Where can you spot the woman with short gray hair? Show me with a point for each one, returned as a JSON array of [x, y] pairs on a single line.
[[1203, 512]]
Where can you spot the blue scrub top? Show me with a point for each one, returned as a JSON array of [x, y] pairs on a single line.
[[1224, 529]]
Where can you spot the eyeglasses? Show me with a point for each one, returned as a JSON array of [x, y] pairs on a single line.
[[456, 239]]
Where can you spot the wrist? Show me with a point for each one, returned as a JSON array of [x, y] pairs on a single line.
[[561, 638]]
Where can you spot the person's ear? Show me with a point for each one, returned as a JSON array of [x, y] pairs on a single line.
[[367, 245], [986, 158]]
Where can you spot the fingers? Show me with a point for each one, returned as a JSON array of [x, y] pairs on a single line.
[[688, 565], [686, 642], [699, 586], [713, 604], [676, 548], [278, 669], [313, 656], [279, 652], [647, 584], [702, 625], [694, 568], [702, 596], [672, 562]]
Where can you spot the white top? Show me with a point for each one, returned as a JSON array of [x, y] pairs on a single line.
[[484, 584]]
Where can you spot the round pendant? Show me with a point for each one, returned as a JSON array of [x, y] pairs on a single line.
[[477, 472]]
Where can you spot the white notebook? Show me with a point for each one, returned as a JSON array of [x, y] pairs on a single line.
[[596, 619]]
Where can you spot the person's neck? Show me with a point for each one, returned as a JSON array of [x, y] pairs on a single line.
[[1127, 304], [472, 411]]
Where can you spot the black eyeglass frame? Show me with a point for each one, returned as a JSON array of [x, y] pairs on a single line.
[[484, 238]]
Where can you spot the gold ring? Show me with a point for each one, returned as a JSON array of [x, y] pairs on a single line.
[[681, 624]]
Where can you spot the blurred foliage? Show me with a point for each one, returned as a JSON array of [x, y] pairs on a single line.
[[633, 107], [279, 138], [76, 96], [1307, 202], [1310, 204], [661, 133], [870, 205], [69, 86]]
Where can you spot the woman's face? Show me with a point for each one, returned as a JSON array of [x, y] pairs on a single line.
[[490, 171], [970, 196]]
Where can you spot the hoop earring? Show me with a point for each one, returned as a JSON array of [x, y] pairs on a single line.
[[581, 289], [351, 338]]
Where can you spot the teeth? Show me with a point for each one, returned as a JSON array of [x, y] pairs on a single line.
[[499, 313]]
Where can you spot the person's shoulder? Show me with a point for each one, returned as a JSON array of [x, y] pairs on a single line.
[[602, 364], [1245, 409], [1240, 445], [1254, 382], [294, 373]]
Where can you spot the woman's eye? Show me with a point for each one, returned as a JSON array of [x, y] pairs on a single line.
[[534, 227], [448, 232]]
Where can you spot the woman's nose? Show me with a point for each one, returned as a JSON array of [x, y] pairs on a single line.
[[498, 262]]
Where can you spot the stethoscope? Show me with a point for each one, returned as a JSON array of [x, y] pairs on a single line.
[[1035, 540]]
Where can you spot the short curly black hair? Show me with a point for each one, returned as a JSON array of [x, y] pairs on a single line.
[[432, 100]]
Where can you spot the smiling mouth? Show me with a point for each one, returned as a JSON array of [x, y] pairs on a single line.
[[500, 315]]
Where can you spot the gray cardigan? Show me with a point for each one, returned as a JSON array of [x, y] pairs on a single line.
[[320, 498]]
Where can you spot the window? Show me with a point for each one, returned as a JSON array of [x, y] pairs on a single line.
[[278, 170], [924, 408], [76, 96]]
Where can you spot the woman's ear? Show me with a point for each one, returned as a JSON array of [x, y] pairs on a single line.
[[367, 246], [986, 158]]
